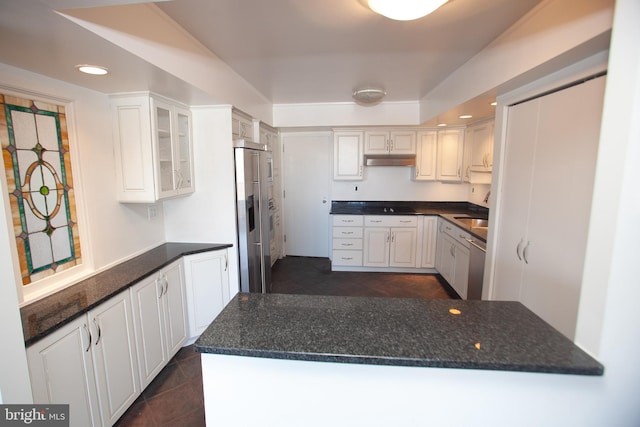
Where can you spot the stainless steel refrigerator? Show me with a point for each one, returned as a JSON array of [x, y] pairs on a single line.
[[254, 174]]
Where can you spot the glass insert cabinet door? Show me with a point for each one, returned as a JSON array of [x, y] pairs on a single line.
[[35, 148], [173, 133]]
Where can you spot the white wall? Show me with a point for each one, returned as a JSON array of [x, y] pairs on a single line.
[[394, 183], [209, 215]]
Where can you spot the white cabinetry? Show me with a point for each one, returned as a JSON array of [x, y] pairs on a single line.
[[551, 147], [478, 153], [269, 137], [347, 235], [90, 363], [207, 284], [429, 230], [241, 125], [390, 142], [426, 156], [450, 155], [390, 241], [348, 155], [61, 371], [160, 319], [153, 148], [452, 259]]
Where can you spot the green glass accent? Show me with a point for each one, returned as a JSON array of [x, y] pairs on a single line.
[[44, 190]]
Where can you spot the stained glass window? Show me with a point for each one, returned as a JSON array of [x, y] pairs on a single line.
[[37, 163]]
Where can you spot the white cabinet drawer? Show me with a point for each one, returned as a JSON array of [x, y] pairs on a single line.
[[347, 232], [350, 244], [352, 258], [390, 221], [347, 220], [458, 234]]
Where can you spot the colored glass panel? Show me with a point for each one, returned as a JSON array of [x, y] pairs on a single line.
[[35, 151]]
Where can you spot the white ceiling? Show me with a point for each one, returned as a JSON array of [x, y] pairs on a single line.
[[291, 51]]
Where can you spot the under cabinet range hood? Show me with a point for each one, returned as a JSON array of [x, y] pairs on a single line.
[[390, 159]]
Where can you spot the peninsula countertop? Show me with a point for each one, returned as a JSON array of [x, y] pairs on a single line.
[[52, 312], [493, 335]]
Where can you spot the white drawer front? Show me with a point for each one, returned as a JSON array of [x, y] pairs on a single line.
[[457, 233], [347, 220], [353, 258], [350, 244], [390, 221], [347, 232]]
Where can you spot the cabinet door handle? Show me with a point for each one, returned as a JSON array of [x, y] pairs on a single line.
[[524, 253], [405, 220], [95, 322], [226, 262], [347, 244], [393, 237], [86, 328], [347, 258], [518, 248], [166, 284], [459, 168], [159, 288], [452, 249]]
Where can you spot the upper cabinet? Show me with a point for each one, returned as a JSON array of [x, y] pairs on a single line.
[[482, 147], [241, 125], [426, 159], [449, 158], [348, 155], [478, 153], [390, 142], [153, 148]]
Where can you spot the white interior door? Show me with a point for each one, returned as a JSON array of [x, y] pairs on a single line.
[[307, 164]]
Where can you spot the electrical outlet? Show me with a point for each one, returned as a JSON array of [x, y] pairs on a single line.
[[152, 212]]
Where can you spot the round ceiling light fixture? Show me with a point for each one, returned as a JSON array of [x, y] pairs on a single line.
[[95, 70], [404, 10], [369, 95]]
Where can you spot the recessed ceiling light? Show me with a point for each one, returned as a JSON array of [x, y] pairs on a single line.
[[95, 70], [442, 124], [467, 116], [404, 10]]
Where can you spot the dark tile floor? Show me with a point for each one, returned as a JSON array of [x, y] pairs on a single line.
[[174, 398]]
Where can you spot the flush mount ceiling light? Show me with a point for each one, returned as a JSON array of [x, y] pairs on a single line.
[[466, 116], [95, 70], [404, 10], [369, 95]]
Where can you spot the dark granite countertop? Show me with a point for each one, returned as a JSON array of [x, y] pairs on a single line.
[[447, 210], [44, 316], [493, 335]]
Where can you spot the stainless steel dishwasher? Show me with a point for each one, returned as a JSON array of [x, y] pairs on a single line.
[[477, 251]]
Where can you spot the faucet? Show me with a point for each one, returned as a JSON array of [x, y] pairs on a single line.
[[486, 198]]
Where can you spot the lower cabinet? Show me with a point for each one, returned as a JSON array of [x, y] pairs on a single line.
[[429, 230], [100, 362], [207, 286], [160, 320], [90, 363], [347, 234], [390, 241], [452, 257]]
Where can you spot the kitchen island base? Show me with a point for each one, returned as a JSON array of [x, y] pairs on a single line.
[[251, 391]]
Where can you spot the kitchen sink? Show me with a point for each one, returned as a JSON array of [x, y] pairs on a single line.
[[473, 222]]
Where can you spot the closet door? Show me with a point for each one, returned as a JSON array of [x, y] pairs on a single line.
[[514, 208], [561, 192]]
